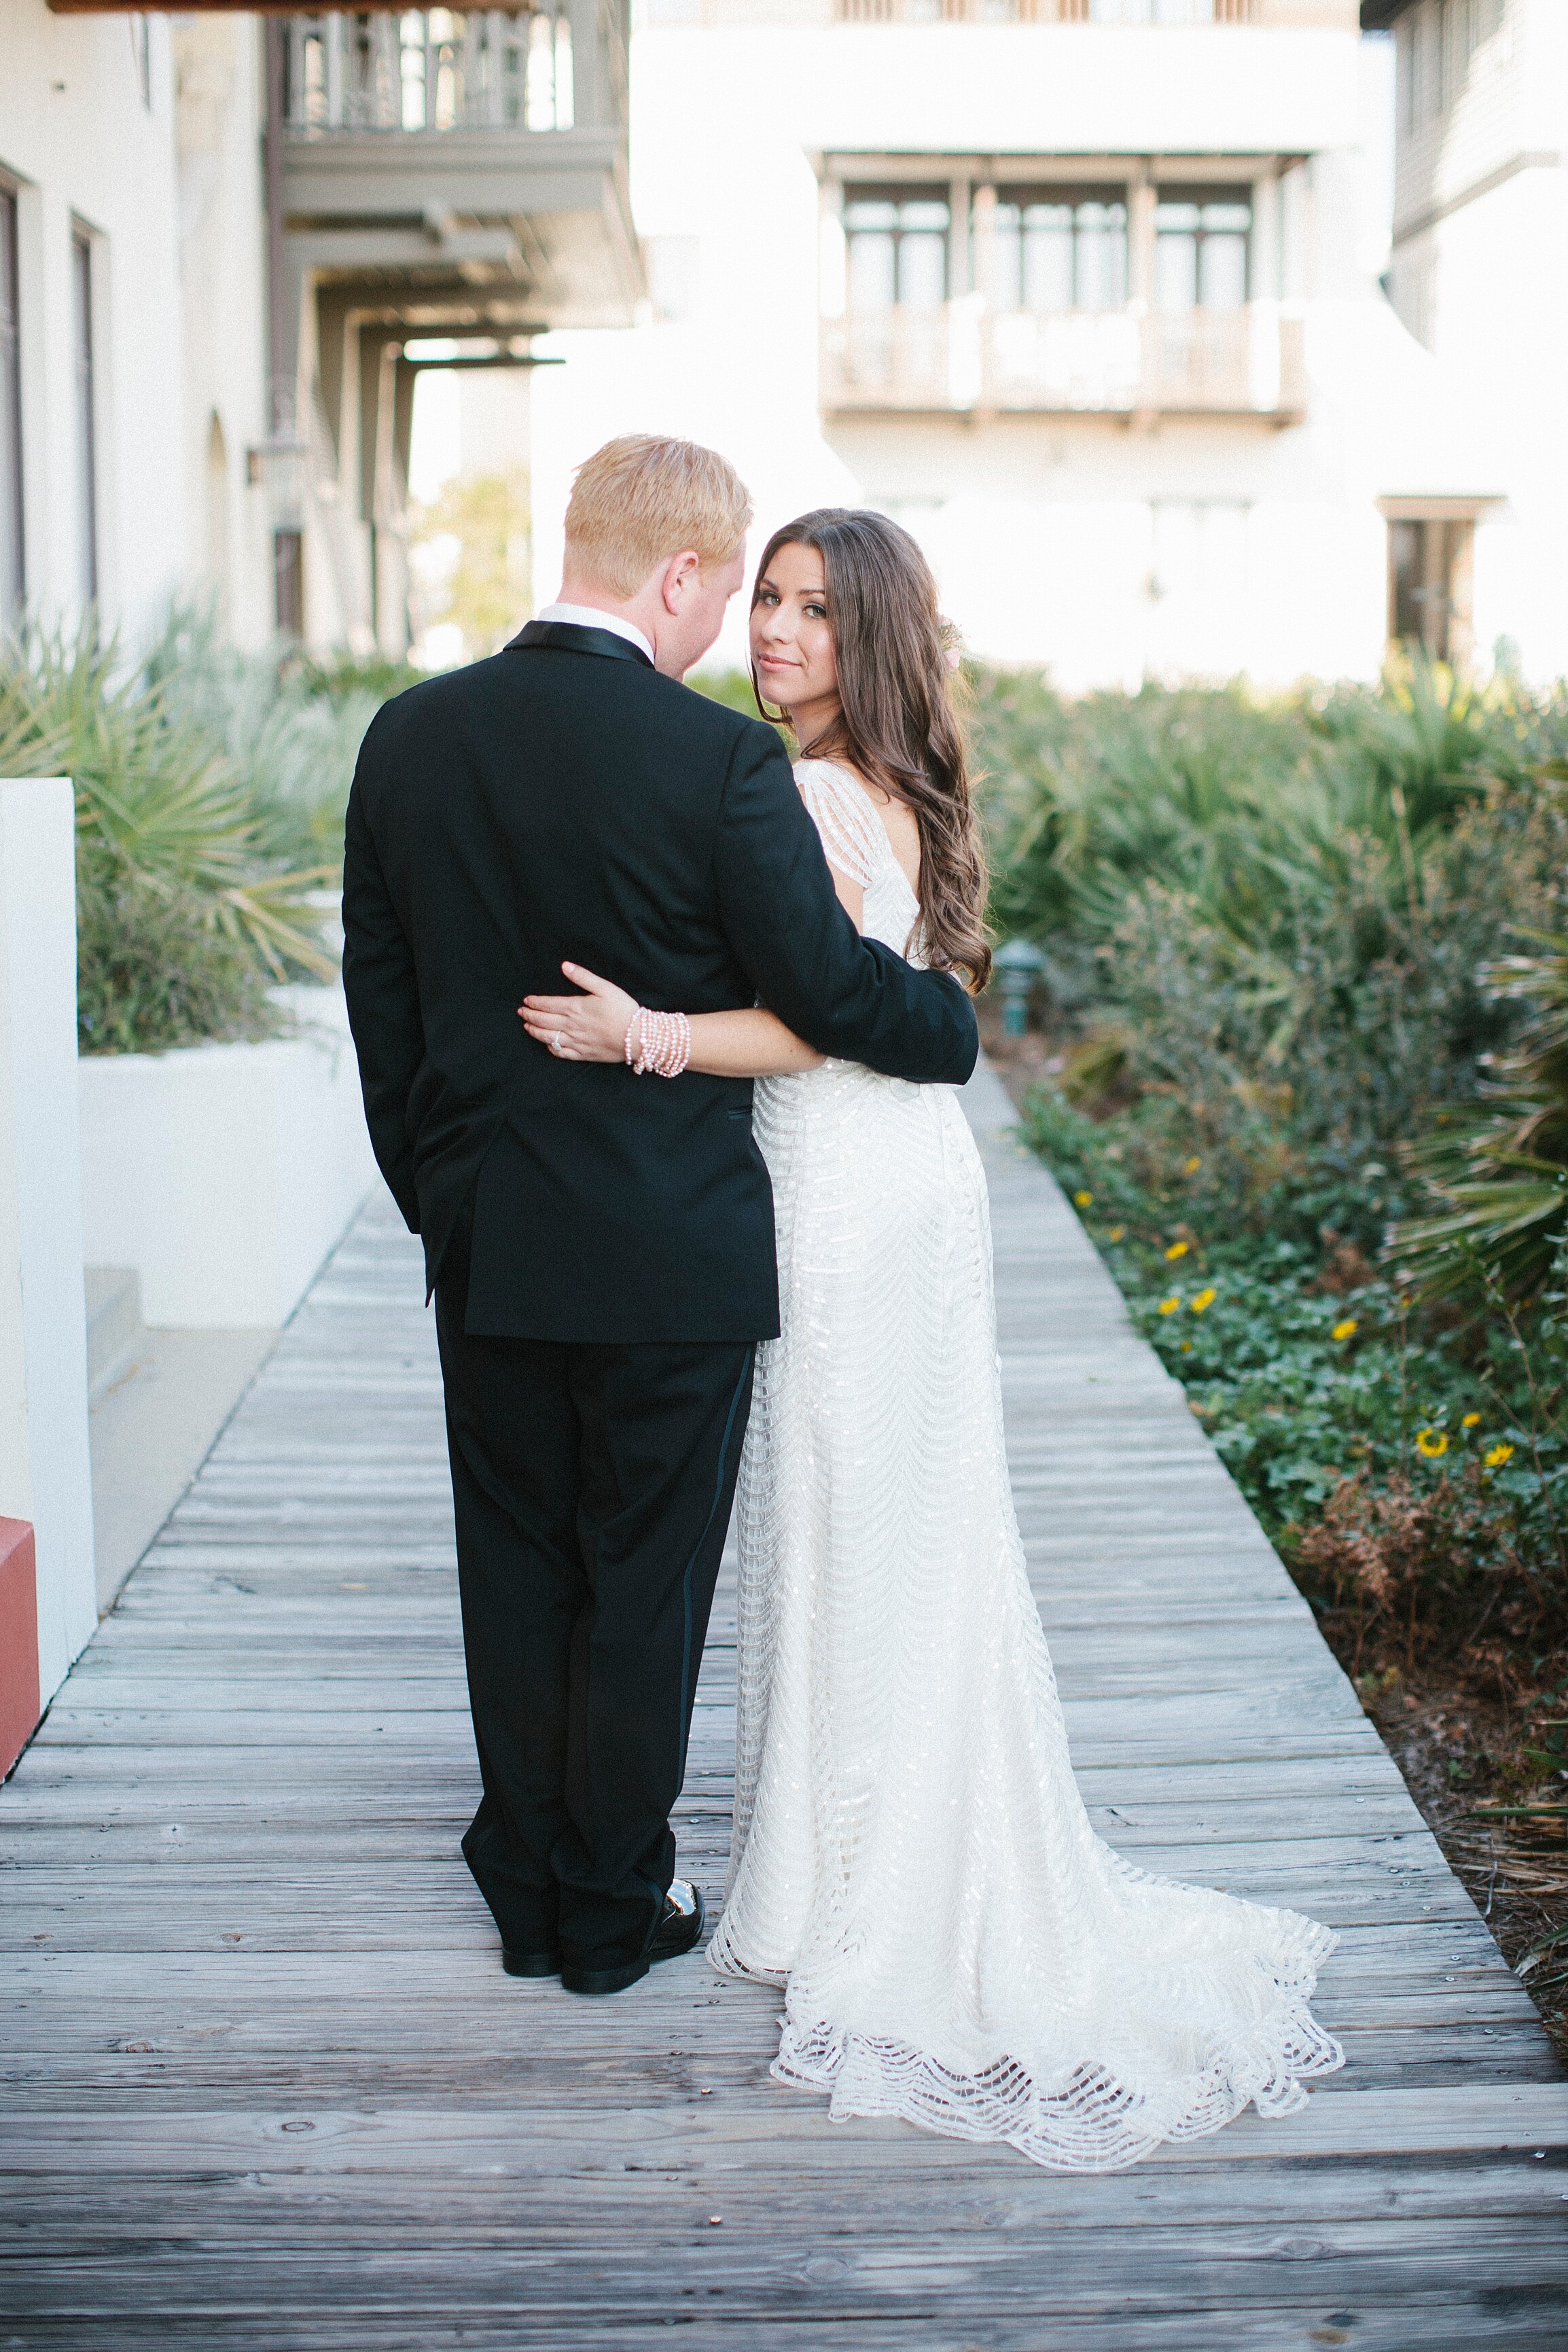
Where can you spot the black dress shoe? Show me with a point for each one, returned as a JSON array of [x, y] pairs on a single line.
[[531, 1964], [678, 1931]]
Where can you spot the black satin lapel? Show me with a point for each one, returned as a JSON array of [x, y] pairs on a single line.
[[568, 637]]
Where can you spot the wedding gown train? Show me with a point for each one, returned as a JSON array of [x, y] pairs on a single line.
[[912, 1859]]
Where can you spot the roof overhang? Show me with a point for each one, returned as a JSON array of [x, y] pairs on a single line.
[[1414, 508]]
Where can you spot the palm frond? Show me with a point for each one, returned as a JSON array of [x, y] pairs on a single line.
[[1498, 1178]]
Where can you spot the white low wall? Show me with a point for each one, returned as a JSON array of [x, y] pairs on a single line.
[[224, 1173], [46, 1477]]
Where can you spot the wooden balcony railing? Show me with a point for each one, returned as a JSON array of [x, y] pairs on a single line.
[[1131, 361], [436, 69], [1047, 12]]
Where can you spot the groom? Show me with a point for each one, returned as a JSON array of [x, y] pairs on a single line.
[[600, 1244]]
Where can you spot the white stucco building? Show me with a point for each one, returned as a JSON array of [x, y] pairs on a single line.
[[131, 319], [1479, 274], [92, 498], [227, 243], [1078, 289]]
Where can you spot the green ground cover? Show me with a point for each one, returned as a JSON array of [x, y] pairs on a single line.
[[1306, 981]]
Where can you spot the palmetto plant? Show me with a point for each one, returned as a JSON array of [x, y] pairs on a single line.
[[158, 800], [1499, 1178]]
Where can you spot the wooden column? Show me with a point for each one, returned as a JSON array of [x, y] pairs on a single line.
[[1140, 231]]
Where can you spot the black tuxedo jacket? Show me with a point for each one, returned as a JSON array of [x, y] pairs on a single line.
[[563, 799]]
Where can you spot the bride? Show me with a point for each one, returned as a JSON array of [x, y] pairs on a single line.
[[912, 1862]]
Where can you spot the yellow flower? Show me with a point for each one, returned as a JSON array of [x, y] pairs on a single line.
[[1205, 1299], [1082, 1200], [1178, 1249], [1169, 1305], [1190, 1167], [1432, 1443], [1186, 1347], [1497, 1456], [1345, 1330], [1469, 1421], [1116, 1233]]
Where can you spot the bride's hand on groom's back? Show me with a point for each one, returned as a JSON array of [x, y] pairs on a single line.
[[590, 1027]]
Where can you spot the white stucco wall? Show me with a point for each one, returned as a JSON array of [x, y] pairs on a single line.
[[45, 1473], [1046, 532], [224, 1174], [220, 102], [77, 135], [1479, 261]]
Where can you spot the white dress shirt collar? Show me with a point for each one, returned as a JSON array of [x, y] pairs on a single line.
[[587, 616]]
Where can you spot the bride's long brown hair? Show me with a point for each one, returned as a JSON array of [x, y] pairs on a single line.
[[898, 723]]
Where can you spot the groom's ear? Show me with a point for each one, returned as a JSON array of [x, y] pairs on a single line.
[[680, 576]]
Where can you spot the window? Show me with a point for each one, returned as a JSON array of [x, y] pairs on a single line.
[[1201, 240], [86, 419], [1429, 568], [1060, 249], [289, 583], [1440, 91], [898, 247], [217, 515], [12, 569], [141, 56]]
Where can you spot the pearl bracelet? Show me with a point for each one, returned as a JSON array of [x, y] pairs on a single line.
[[660, 1041]]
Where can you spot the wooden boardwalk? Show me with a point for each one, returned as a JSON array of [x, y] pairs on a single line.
[[263, 2085]]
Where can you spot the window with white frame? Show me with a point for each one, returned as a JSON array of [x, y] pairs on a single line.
[[1058, 250], [85, 418], [141, 55], [898, 247], [1442, 29], [1430, 562], [13, 550], [1202, 237]]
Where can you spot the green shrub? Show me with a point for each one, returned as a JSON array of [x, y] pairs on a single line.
[[1499, 1177], [731, 686], [1275, 936], [210, 788], [155, 971]]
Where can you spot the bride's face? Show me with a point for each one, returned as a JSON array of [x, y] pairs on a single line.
[[792, 639]]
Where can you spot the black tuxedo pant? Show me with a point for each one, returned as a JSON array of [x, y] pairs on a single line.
[[593, 1487]]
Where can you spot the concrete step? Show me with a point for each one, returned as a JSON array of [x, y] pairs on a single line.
[[113, 1322]]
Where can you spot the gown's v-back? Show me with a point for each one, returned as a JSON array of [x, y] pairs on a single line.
[[912, 1859]]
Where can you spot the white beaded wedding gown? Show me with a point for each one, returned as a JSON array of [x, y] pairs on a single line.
[[911, 1858]]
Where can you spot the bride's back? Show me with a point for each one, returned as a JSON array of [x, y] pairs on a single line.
[[876, 845]]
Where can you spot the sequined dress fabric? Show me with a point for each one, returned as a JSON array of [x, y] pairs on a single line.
[[912, 1859]]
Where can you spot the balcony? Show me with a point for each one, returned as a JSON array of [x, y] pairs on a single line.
[[1133, 362], [442, 186], [1339, 15], [473, 150]]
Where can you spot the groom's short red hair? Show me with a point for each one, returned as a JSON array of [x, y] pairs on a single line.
[[642, 498]]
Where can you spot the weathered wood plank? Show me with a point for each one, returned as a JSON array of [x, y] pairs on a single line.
[[262, 2082]]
